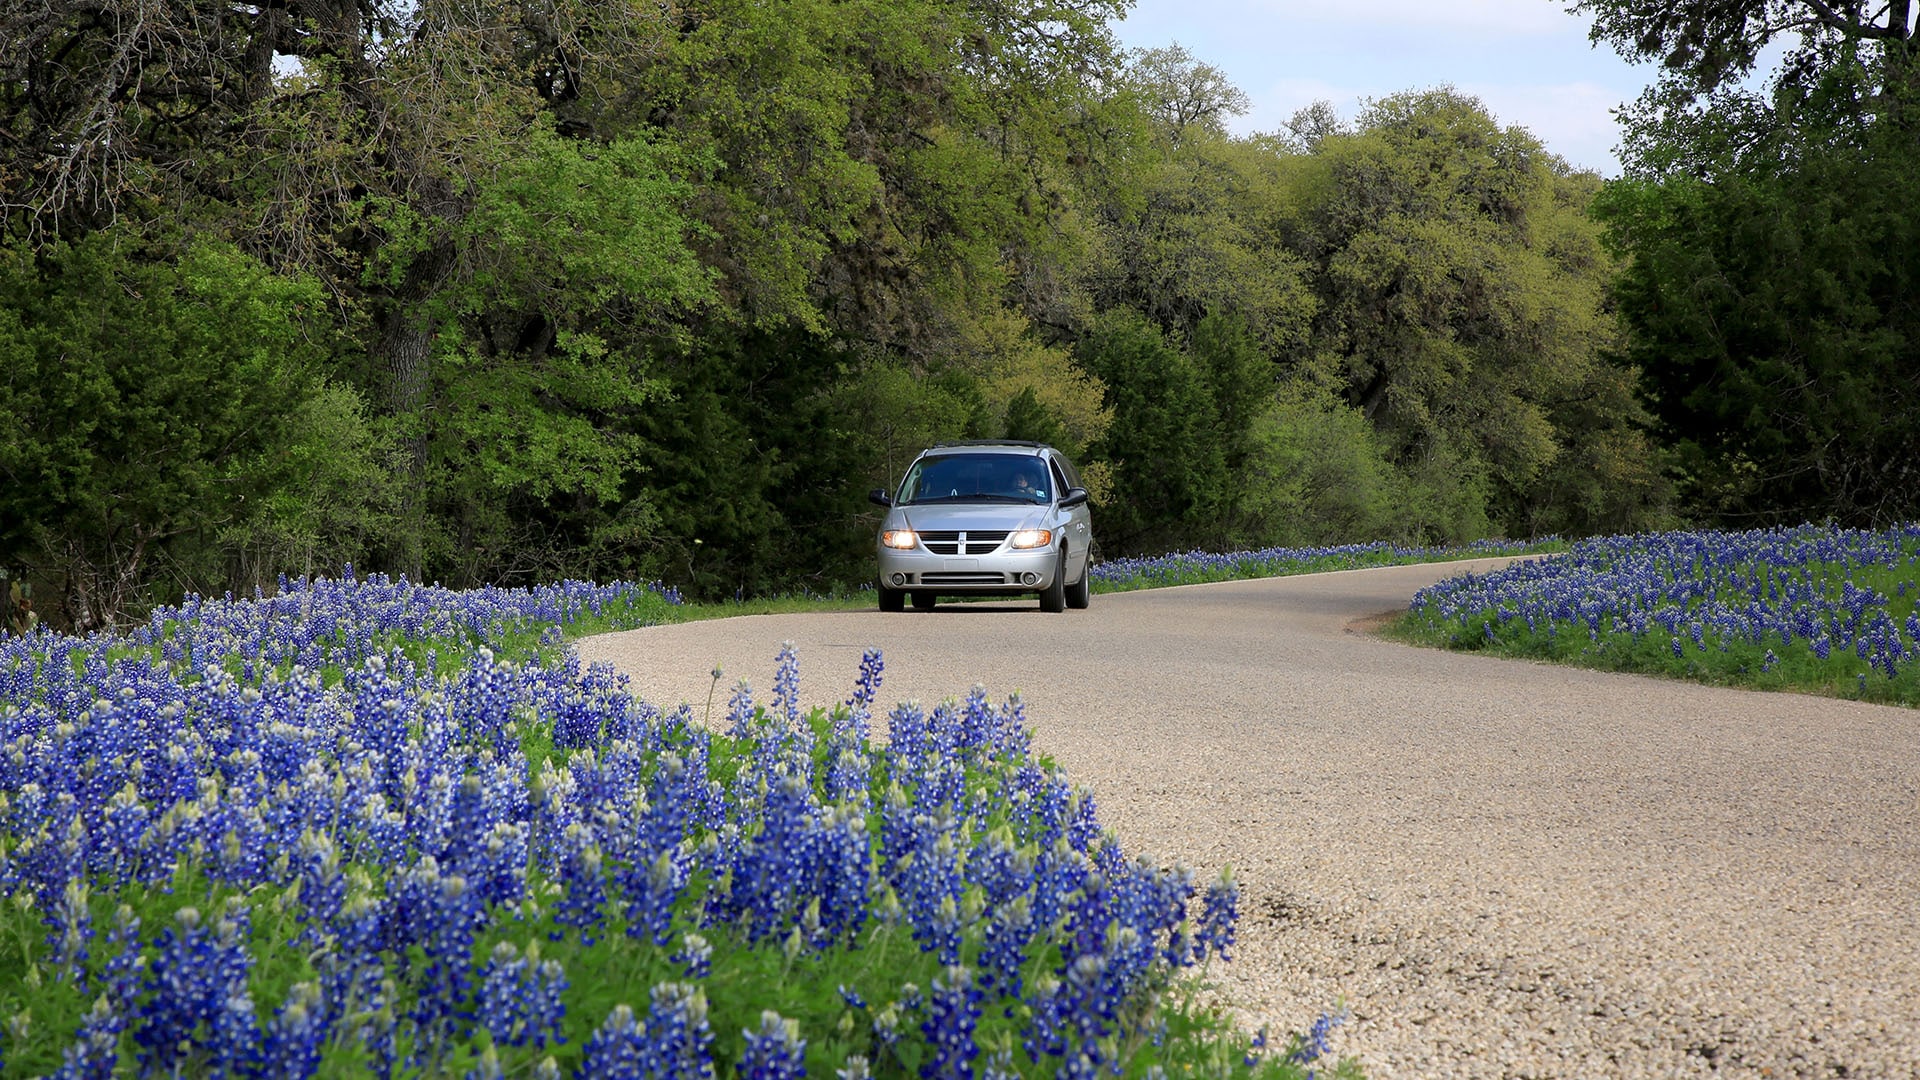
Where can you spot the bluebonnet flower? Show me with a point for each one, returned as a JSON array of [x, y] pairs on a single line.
[[520, 998], [867, 686], [617, 1050], [1003, 953], [930, 887], [395, 815], [679, 1041], [95, 1052], [291, 1044], [952, 1015], [583, 875], [740, 711], [1726, 588], [1219, 912], [775, 1051], [440, 915], [1313, 1045], [651, 891], [771, 861], [1256, 1047], [786, 687], [847, 774], [196, 1015], [694, 956]]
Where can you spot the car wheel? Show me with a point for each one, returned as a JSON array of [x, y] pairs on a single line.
[[1054, 596], [922, 600], [1080, 592], [892, 599]]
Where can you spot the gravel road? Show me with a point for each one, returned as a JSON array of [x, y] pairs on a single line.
[[1500, 868]]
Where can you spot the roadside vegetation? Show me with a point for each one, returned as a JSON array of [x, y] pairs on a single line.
[[1199, 567], [369, 828], [1816, 609]]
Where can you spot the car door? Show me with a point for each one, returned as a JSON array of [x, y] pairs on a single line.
[[1077, 523]]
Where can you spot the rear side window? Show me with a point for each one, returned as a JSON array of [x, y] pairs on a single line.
[[1067, 471]]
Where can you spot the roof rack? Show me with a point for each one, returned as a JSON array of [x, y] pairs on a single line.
[[992, 442]]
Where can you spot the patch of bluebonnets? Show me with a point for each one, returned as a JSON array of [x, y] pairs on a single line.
[[1811, 589], [391, 808]]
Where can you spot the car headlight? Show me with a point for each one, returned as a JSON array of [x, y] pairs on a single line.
[[1031, 538], [899, 538]]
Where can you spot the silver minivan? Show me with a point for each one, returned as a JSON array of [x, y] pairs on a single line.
[[986, 518]]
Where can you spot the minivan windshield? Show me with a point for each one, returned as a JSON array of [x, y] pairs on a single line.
[[1013, 478]]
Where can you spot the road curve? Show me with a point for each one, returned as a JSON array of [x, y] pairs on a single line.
[[1502, 869]]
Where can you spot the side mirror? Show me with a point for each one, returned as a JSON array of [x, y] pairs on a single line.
[[879, 497], [1074, 497]]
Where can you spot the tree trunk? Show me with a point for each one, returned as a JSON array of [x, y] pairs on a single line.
[[405, 342]]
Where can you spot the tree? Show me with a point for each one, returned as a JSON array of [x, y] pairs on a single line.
[[1461, 296], [1168, 473], [1705, 47], [158, 399], [1773, 317], [1317, 474], [1855, 61], [1768, 233], [1187, 218], [1181, 93]]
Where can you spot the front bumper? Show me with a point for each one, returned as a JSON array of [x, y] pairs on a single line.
[[1004, 572]]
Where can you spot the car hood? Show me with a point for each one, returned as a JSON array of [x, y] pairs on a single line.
[[964, 517]]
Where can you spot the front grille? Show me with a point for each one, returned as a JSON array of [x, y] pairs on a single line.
[[963, 579], [983, 542]]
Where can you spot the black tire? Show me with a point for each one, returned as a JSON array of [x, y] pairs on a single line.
[[922, 600], [892, 599], [1081, 592], [1053, 598]]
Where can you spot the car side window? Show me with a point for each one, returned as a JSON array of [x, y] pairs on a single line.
[[1059, 481]]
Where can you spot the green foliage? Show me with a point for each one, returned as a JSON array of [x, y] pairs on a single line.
[[1317, 474], [1169, 474], [1771, 313], [1461, 311], [164, 398], [16, 605], [1854, 63], [1027, 419]]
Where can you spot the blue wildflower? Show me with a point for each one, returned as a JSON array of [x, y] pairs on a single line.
[[775, 1051]]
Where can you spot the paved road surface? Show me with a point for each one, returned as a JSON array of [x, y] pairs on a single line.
[[1503, 869]]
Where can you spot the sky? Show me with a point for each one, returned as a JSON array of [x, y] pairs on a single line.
[[1528, 61]]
